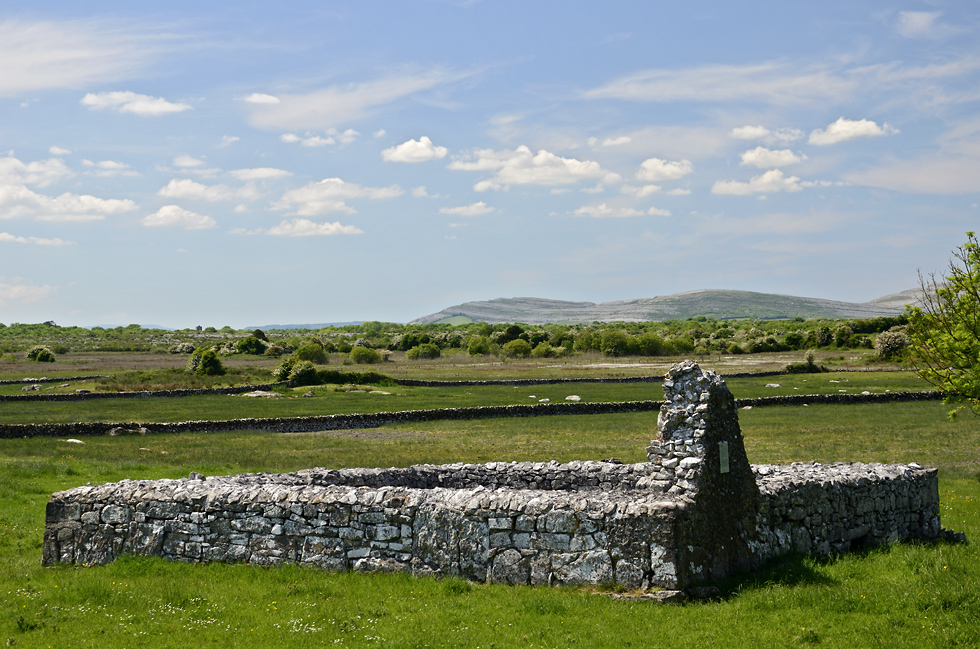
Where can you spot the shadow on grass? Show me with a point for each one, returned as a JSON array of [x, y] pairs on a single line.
[[788, 570]]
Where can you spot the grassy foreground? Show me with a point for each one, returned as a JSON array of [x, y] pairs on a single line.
[[902, 596]]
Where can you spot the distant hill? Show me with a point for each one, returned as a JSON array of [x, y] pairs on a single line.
[[718, 304], [318, 325]]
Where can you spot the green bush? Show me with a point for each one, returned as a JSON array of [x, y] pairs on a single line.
[[518, 348], [274, 351], [250, 345], [311, 352], [205, 362], [362, 355], [304, 373], [41, 354], [425, 350], [181, 348], [284, 369], [545, 350], [479, 346]]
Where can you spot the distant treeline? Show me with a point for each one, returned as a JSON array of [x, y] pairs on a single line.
[[668, 338]]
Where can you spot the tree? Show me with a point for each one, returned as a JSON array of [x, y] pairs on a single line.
[[944, 332]]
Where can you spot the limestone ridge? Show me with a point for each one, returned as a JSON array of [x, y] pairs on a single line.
[[701, 458]]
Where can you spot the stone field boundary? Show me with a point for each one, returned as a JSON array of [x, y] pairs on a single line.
[[375, 420]]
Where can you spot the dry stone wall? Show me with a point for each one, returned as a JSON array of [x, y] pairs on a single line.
[[696, 512]]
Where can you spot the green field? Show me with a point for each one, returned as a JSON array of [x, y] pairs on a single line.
[[329, 400], [906, 595]]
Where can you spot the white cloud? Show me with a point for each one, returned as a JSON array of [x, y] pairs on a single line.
[[655, 169], [260, 98], [57, 150], [307, 228], [419, 192], [192, 190], [421, 150], [750, 132], [379, 133], [764, 158], [130, 102], [521, 167], [228, 139], [172, 216], [473, 209], [310, 140], [259, 173], [12, 293], [603, 211], [847, 129], [913, 24], [338, 104], [17, 201], [330, 195], [6, 237], [598, 189], [769, 136], [770, 182], [40, 172], [640, 192], [680, 191], [108, 169], [616, 141], [68, 54], [186, 162]]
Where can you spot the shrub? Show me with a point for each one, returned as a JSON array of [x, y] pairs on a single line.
[[361, 355], [181, 348], [479, 346], [304, 373], [275, 351], [258, 333], [425, 350], [283, 370], [892, 344], [250, 345], [614, 343], [41, 354], [545, 350], [806, 367], [518, 348], [205, 362], [311, 352]]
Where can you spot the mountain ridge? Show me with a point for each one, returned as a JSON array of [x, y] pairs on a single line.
[[713, 303]]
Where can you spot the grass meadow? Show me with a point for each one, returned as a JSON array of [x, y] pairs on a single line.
[[906, 595]]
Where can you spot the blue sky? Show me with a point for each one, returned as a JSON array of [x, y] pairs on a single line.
[[244, 163]]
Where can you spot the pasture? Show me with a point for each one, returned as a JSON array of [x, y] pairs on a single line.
[[900, 596]]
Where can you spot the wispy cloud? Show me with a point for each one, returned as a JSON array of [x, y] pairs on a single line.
[[6, 237], [131, 102], [473, 209], [336, 105], [69, 54]]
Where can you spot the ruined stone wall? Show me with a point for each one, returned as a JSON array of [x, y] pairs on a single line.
[[696, 512], [830, 509], [521, 536]]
